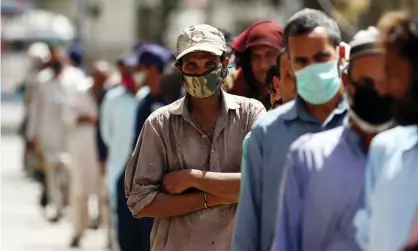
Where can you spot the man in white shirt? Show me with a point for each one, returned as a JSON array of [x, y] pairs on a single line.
[[47, 130]]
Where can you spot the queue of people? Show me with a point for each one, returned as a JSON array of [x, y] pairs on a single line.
[[281, 138]]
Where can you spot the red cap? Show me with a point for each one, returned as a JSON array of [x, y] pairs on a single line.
[[260, 33]]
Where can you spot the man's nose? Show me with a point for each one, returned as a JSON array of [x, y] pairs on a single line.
[[382, 87]]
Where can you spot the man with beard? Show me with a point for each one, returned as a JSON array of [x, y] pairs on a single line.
[[257, 49], [323, 180], [391, 201]]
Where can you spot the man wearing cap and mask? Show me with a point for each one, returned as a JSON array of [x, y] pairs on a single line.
[[312, 40], [185, 170], [389, 220], [323, 180], [134, 234]]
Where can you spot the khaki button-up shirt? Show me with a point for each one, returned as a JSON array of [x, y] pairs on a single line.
[[171, 141]]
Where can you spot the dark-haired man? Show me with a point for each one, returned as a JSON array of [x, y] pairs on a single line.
[[271, 81], [323, 180], [312, 39]]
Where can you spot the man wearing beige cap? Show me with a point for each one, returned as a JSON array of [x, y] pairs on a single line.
[[185, 169]]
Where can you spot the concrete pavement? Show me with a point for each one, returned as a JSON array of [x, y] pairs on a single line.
[[23, 228]]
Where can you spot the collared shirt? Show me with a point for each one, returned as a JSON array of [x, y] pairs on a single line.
[[171, 141], [391, 195], [268, 144], [117, 126], [322, 189], [51, 97]]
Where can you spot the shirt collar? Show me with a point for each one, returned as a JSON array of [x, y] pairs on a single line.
[[409, 136], [181, 107], [354, 138], [299, 110]]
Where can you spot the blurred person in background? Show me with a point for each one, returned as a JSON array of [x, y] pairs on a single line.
[[312, 40], [39, 55], [134, 234], [171, 84], [117, 127], [82, 116], [257, 48], [271, 82], [228, 83], [76, 55], [389, 220], [285, 81], [47, 130], [318, 199], [185, 169], [100, 75]]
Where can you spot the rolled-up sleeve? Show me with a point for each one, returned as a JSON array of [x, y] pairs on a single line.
[[145, 168], [246, 236]]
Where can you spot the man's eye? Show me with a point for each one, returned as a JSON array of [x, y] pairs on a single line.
[[211, 64], [191, 65]]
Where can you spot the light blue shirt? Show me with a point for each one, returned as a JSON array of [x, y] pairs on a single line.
[[322, 190], [117, 125], [391, 195], [262, 168]]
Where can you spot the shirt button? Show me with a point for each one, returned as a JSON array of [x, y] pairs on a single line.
[[212, 150]]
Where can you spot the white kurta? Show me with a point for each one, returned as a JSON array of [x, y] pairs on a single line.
[[50, 98], [84, 165]]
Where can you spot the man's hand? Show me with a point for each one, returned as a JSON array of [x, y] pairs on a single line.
[[214, 200], [31, 145], [179, 181]]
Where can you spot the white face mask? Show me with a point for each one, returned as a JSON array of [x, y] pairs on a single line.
[[139, 78]]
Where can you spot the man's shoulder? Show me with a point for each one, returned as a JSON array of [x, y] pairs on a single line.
[[390, 140], [274, 116], [244, 102], [44, 75], [164, 113], [114, 93]]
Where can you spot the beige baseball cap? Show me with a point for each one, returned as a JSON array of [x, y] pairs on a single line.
[[200, 37]]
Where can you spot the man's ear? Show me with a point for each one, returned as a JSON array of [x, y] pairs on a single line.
[[177, 64], [276, 82], [225, 62]]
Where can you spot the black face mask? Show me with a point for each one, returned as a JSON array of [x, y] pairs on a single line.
[[370, 107]]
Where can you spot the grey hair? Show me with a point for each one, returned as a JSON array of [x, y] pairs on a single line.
[[304, 21]]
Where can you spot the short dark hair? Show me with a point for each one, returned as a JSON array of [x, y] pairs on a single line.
[[271, 73], [304, 21], [400, 31]]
